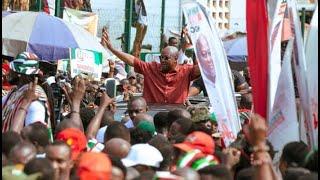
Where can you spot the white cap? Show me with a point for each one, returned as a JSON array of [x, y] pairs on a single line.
[[143, 154]]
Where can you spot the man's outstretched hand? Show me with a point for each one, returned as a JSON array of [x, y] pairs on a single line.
[[105, 40]]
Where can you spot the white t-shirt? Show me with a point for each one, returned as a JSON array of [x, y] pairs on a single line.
[[100, 134], [182, 57]]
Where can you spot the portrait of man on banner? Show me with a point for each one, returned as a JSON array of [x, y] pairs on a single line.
[[204, 55]]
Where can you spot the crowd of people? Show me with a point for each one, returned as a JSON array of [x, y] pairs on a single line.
[[58, 127]]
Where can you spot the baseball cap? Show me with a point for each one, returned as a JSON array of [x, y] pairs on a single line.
[[25, 63], [94, 165], [143, 154], [146, 126], [199, 114], [197, 140], [75, 139], [131, 74]]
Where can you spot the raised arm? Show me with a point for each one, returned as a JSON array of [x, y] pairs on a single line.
[[125, 57], [95, 122], [29, 96]]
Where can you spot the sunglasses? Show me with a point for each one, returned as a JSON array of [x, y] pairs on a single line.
[[165, 58]]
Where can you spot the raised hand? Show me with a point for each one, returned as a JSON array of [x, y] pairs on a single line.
[[105, 100], [31, 95], [232, 156], [105, 40], [257, 129], [78, 90]]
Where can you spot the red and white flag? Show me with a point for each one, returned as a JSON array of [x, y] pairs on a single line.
[[257, 37], [214, 68]]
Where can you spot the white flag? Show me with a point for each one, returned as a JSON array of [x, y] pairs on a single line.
[[283, 123], [312, 69], [214, 69], [300, 70], [275, 52]]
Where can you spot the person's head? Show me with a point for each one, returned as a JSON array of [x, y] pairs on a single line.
[[139, 88], [201, 115], [143, 116], [293, 155], [180, 126], [136, 105], [132, 77], [42, 165], [173, 41], [75, 138], [168, 59], [117, 147], [59, 153], [166, 149], [94, 165], [24, 68], [204, 54], [86, 114], [132, 173], [124, 83], [9, 140], [294, 173], [37, 134], [117, 130], [140, 78], [187, 173], [311, 161], [139, 135], [176, 114], [119, 171], [143, 157], [22, 153], [218, 172], [161, 123], [197, 140]]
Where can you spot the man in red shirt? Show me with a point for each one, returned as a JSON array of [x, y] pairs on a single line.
[[164, 82]]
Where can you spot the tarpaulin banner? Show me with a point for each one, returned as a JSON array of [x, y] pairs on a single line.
[[301, 71], [283, 123], [87, 20], [214, 68], [275, 52], [312, 75]]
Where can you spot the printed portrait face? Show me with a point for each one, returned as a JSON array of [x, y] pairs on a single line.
[[205, 57]]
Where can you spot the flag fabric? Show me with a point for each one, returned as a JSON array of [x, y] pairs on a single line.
[[312, 69], [214, 68], [257, 37], [283, 121], [87, 20], [301, 71], [275, 52]]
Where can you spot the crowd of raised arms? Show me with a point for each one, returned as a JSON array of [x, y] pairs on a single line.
[[55, 127]]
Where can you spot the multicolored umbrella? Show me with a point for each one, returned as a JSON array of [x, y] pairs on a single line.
[[47, 36]]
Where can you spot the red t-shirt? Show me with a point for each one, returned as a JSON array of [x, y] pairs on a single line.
[[169, 88]]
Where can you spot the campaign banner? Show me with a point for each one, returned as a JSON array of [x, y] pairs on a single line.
[[311, 49], [301, 71], [283, 121], [275, 52], [87, 20], [85, 62], [214, 68]]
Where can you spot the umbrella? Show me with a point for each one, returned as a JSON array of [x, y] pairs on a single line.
[[236, 47], [47, 36]]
